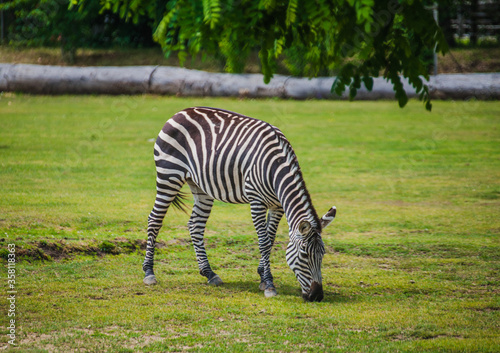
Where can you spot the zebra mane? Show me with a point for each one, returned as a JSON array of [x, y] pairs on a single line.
[[294, 162]]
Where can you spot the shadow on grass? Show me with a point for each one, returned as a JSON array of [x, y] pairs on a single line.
[[285, 290]]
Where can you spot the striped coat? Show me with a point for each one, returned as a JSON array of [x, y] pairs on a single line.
[[233, 158]]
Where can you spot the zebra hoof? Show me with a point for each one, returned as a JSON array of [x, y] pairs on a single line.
[[150, 280], [270, 292], [215, 281], [262, 286]]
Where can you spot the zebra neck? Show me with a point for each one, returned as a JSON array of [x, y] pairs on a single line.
[[292, 193]]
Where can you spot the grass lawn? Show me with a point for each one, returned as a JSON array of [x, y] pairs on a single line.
[[412, 261]]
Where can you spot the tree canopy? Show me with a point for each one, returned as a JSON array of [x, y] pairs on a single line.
[[360, 39], [36, 23]]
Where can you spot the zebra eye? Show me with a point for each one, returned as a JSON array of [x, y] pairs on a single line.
[[304, 227]]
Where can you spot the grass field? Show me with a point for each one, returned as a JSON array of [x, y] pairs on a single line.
[[412, 263]]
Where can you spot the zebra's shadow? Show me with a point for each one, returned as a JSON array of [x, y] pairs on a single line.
[[285, 290], [253, 287]]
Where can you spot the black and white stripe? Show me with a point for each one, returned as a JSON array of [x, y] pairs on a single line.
[[233, 158]]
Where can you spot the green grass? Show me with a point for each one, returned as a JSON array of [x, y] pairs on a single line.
[[412, 261]]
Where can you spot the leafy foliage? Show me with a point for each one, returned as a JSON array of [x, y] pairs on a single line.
[[52, 23], [356, 39], [43, 22], [359, 38]]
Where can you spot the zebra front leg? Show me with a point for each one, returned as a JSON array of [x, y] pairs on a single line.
[[259, 211], [201, 211], [273, 219]]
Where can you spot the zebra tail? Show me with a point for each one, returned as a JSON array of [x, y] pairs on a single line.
[[179, 202]]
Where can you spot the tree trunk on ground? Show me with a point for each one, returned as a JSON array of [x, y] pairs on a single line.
[[40, 79]]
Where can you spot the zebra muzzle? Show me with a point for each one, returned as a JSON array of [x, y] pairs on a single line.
[[315, 293]]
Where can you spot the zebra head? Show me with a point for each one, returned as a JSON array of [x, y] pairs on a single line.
[[304, 255]]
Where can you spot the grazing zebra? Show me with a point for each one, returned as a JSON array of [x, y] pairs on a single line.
[[233, 158]]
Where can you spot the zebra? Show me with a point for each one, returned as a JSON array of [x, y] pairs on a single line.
[[234, 158]]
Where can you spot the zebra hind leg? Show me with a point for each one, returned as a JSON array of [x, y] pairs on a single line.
[[201, 211], [154, 226], [164, 198]]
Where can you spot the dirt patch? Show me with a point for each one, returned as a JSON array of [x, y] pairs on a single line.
[[45, 250], [487, 309], [470, 60]]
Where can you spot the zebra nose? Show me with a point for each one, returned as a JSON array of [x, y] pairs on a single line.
[[315, 293]]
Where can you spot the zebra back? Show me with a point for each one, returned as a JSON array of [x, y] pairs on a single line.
[[235, 158]]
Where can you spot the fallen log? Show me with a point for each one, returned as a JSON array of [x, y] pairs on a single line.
[[40, 79]]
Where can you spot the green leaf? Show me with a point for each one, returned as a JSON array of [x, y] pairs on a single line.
[[182, 55], [338, 87], [402, 97], [352, 93], [368, 81], [211, 12], [291, 12]]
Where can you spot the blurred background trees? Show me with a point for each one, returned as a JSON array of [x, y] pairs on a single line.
[[471, 23], [36, 23], [351, 39], [115, 23]]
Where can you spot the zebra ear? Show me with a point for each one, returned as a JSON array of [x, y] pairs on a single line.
[[328, 217], [304, 227]]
